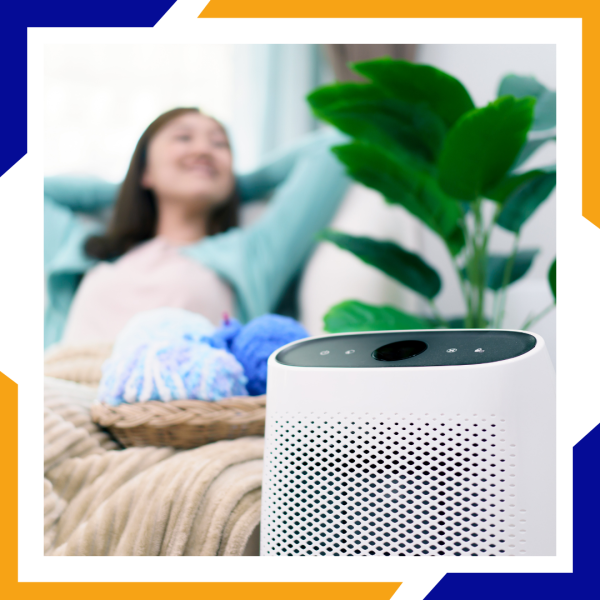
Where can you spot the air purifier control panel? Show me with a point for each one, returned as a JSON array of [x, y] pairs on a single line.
[[448, 347]]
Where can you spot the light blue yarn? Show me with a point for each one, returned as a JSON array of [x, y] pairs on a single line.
[[159, 356], [163, 324], [169, 370]]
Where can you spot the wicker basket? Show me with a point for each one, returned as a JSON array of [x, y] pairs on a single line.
[[182, 423], [179, 423]]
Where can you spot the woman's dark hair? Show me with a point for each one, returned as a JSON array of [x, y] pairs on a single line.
[[135, 214]]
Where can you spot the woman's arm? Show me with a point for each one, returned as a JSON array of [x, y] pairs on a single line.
[[303, 205], [58, 221], [278, 166], [82, 194], [64, 196]]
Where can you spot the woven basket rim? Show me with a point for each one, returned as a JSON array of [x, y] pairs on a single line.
[[158, 414]]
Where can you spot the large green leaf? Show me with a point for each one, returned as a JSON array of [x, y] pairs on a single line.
[[353, 315], [483, 145], [401, 183], [419, 84], [403, 266], [521, 203], [371, 114], [545, 107], [497, 265], [552, 279]]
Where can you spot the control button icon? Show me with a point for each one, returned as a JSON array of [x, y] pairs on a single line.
[[350, 351], [324, 352], [452, 350], [480, 350]]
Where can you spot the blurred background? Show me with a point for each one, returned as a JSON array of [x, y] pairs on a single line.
[[99, 99]]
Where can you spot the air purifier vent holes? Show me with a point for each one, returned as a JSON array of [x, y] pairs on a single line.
[[406, 486]]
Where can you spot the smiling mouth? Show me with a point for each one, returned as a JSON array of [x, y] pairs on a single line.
[[202, 170]]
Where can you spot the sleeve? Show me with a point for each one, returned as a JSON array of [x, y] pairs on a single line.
[[303, 204], [82, 194], [278, 166], [58, 222], [63, 198]]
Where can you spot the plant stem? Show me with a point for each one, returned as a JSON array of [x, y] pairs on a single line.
[[489, 230], [497, 295], [527, 321], [480, 258], [438, 315], [486, 240], [463, 287], [462, 278], [535, 319], [495, 308], [471, 275], [503, 291]]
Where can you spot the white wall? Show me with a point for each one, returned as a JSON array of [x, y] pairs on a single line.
[[480, 68], [99, 98]]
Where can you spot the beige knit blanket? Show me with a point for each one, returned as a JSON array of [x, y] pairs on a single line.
[[101, 500]]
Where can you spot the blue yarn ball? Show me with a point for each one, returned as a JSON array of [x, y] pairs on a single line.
[[255, 342]]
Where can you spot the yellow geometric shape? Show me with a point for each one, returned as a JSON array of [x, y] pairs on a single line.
[[249, 590]]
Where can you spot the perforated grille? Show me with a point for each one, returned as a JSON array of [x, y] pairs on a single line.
[[402, 486]]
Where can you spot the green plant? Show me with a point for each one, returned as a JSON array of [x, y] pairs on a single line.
[[418, 139]]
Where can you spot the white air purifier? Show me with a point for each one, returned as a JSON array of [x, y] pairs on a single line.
[[410, 443]]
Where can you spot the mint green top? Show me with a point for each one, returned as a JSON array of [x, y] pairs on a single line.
[[257, 261]]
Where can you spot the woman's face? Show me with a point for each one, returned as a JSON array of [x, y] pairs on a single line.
[[189, 160]]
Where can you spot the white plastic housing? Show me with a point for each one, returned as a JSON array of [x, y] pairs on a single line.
[[411, 461]]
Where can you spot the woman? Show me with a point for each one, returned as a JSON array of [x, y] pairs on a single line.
[[173, 240]]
